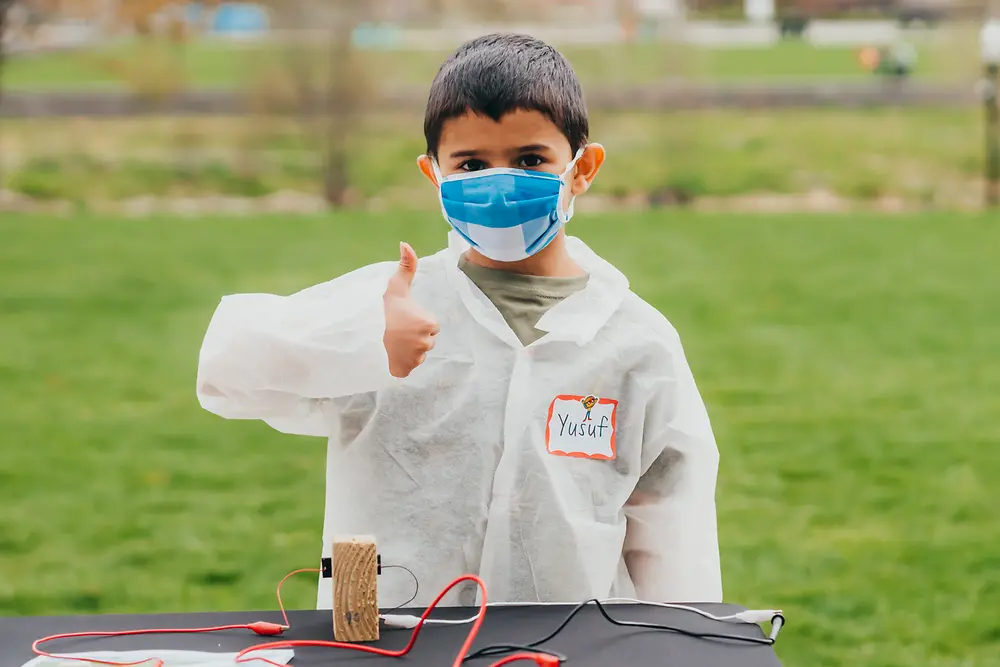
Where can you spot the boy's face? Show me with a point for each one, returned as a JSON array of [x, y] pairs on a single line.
[[520, 140]]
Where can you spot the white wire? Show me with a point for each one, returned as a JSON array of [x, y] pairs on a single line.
[[646, 603], [748, 616]]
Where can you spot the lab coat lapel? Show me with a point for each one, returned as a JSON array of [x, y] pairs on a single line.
[[479, 306], [577, 318]]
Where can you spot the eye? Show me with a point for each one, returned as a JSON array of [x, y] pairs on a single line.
[[473, 165], [531, 161]]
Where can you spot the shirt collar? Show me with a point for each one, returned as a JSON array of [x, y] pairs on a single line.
[[577, 318]]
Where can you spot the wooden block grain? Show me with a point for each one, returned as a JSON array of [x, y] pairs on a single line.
[[355, 589]]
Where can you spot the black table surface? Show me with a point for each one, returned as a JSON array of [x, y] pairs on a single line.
[[588, 641]]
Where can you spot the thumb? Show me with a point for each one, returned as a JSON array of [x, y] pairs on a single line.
[[399, 284], [407, 262]]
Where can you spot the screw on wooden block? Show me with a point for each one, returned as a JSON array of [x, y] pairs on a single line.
[[355, 589]]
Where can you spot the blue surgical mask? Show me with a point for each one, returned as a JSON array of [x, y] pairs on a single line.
[[507, 214]]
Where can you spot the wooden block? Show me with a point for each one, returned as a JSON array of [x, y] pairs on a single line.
[[355, 589]]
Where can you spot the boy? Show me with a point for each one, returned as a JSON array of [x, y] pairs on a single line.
[[506, 407]]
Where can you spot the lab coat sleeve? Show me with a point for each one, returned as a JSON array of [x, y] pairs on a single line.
[[671, 542], [281, 358]]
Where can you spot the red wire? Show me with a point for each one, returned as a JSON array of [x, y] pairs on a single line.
[[541, 659], [241, 657], [265, 628], [277, 592], [120, 633], [260, 628]]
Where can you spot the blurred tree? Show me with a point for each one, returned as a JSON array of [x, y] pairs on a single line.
[[5, 10], [318, 65], [153, 68], [628, 17], [317, 76], [301, 66], [346, 97], [140, 16]]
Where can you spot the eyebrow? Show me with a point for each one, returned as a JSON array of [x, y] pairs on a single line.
[[532, 147], [520, 149]]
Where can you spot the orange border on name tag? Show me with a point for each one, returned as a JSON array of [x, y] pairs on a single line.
[[581, 455]]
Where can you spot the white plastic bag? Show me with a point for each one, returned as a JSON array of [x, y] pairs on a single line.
[[169, 658]]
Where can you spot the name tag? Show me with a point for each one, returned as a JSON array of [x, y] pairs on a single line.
[[581, 426]]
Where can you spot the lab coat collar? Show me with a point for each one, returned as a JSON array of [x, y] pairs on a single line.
[[577, 318]]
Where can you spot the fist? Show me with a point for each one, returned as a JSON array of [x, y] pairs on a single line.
[[409, 329]]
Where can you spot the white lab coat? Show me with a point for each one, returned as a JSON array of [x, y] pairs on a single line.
[[484, 459]]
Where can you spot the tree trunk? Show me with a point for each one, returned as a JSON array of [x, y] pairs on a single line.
[[346, 87], [5, 6]]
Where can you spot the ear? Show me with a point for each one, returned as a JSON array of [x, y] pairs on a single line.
[[586, 168], [427, 169]]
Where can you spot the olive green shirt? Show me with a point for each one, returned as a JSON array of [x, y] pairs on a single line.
[[521, 299]]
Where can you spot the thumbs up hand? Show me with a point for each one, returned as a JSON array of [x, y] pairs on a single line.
[[409, 330]]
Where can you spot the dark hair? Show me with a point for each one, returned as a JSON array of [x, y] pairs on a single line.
[[499, 73]]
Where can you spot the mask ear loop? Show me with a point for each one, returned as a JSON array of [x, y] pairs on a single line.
[[569, 169], [437, 171], [438, 176]]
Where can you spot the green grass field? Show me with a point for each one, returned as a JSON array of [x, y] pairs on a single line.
[[849, 364], [213, 63]]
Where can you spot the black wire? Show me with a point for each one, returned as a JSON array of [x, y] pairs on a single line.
[[498, 649], [416, 586]]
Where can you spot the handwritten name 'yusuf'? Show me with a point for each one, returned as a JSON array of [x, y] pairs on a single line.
[[582, 429]]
